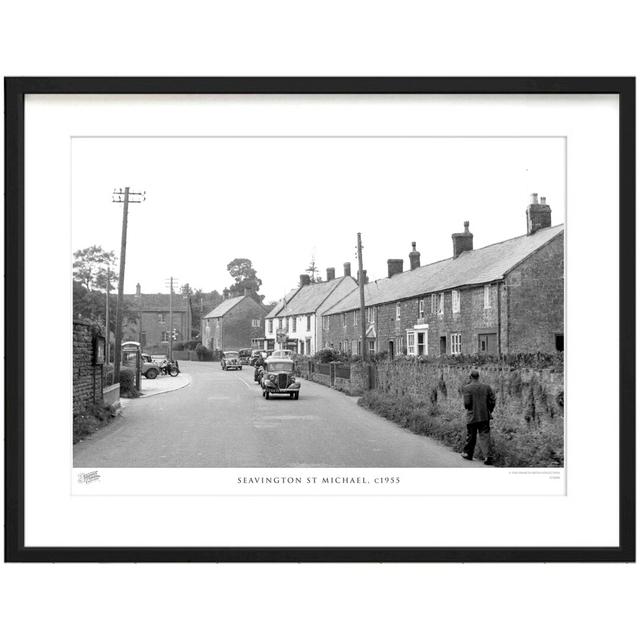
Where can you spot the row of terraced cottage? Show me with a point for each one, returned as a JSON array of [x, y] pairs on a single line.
[[500, 299]]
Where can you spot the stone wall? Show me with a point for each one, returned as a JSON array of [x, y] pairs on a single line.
[[87, 377]]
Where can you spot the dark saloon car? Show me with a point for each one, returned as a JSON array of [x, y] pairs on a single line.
[[230, 360], [279, 378]]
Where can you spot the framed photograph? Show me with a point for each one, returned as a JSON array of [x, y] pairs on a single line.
[[320, 319]]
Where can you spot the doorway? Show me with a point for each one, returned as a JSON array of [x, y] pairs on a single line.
[[488, 343], [443, 345], [391, 351]]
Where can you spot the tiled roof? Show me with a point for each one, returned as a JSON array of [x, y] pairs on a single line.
[[224, 307], [276, 310], [469, 268], [156, 301], [309, 298]]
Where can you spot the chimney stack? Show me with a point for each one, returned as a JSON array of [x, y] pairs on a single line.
[[394, 266], [331, 273], [347, 268], [538, 214], [365, 278], [414, 257], [462, 241], [138, 290], [305, 279]]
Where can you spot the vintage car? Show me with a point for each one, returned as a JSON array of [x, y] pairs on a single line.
[[279, 378], [148, 368], [283, 353], [245, 356], [230, 360]]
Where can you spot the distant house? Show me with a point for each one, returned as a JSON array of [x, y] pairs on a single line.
[[295, 322], [151, 326], [236, 323], [503, 298]]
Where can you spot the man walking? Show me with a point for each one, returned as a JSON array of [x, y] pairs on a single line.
[[479, 401]]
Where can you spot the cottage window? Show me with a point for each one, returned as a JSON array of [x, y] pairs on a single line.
[[434, 303], [411, 343], [487, 296], [279, 323], [293, 324], [270, 326], [308, 322], [440, 303], [397, 311], [455, 301], [161, 317], [255, 322], [165, 336], [421, 308], [371, 316], [355, 318], [372, 346], [456, 343], [401, 347]]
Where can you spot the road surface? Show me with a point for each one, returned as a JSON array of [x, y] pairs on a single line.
[[222, 420]]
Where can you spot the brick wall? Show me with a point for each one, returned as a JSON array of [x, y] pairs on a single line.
[[534, 300], [87, 377]]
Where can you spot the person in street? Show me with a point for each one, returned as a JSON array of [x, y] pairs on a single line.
[[479, 401]]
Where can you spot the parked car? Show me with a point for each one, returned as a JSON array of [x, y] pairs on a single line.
[[279, 378], [230, 360], [283, 353], [150, 369], [245, 356], [257, 354]]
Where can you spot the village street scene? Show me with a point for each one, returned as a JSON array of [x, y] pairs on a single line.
[[452, 361]]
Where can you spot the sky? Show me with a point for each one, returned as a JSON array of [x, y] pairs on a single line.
[[281, 201]]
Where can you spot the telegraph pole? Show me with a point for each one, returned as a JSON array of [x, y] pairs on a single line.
[[125, 197], [363, 315], [171, 282], [108, 332]]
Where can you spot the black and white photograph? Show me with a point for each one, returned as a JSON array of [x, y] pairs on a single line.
[[318, 302]]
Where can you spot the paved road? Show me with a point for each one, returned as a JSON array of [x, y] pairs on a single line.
[[222, 420]]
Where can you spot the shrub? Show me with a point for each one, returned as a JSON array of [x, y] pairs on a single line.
[[203, 353], [107, 375], [89, 421], [128, 383], [178, 346]]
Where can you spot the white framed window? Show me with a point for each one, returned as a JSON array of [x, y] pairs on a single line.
[[400, 344], [397, 311], [487, 296], [293, 324], [308, 322], [371, 344], [355, 317], [279, 323], [165, 336], [161, 317], [456, 343], [287, 324], [270, 326], [434, 303], [439, 303], [371, 316], [255, 322], [421, 308], [411, 343], [455, 301]]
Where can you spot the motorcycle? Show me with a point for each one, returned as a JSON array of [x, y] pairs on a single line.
[[170, 367]]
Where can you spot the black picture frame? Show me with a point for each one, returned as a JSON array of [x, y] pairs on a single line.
[[15, 91]]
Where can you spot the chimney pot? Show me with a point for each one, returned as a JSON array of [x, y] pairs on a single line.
[[538, 216], [365, 278], [543, 199], [394, 266], [462, 241], [331, 273], [305, 279], [414, 257], [347, 268], [534, 198], [138, 290]]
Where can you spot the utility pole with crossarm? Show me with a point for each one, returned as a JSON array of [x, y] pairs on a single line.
[[125, 197]]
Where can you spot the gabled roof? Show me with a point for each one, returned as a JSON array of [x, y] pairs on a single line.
[[479, 266], [310, 298], [225, 306], [279, 306]]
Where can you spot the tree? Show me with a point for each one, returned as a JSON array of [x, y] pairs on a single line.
[[90, 267], [313, 271], [245, 278]]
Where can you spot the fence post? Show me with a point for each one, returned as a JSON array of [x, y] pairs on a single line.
[[332, 374]]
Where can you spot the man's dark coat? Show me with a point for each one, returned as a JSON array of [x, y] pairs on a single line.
[[479, 401]]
